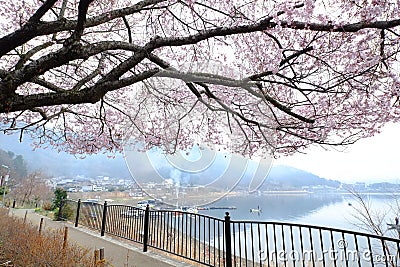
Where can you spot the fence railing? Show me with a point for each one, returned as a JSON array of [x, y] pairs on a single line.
[[224, 242]]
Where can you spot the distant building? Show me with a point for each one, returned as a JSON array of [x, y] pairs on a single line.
[[97, 188], [92, 188], [87, 188]]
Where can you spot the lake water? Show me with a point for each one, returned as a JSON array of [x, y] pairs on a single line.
[[330, 210], [264, 241]]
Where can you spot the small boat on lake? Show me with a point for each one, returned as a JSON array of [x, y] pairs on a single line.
[[257, 210]]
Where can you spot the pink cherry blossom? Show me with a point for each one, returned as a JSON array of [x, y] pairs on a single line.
[[255, 76]]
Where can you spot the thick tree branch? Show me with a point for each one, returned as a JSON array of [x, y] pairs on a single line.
[[89, 95], [353, 27], [45, 28], [80, 25], [266, 24], [27, 32], [39, 28], [47, 85], [56, 59], [41, 11], [25, 57]]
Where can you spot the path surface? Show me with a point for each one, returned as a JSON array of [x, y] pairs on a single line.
[[118, 253]]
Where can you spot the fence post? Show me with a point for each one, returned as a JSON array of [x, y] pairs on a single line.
[[40, 226], [65, 239], [26, 213], [60, 210], [228, 240], [103, 221], [102, 260], [77, 212], [146, 227]]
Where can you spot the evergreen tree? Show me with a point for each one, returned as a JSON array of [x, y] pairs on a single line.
[[59, 194]]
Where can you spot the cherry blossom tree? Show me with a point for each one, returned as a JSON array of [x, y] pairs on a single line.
[[31, 189], [83, 75]]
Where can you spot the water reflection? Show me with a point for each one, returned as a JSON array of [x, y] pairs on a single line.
[[275, 207]]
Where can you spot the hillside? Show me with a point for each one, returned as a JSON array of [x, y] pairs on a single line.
[[290, 177], [62, 164], [57, 163]]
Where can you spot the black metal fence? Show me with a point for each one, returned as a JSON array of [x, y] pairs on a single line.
[[216, 242]]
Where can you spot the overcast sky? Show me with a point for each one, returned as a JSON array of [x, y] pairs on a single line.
[[372, 159]]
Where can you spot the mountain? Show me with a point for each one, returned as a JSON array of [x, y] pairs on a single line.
[[290, 178], [56, 163], [62, 164]]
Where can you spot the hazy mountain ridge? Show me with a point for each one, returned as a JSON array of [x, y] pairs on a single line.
[[62, 164], [57, 163], [296, 178]]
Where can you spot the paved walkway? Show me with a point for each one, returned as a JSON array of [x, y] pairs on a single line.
[[118, 253]]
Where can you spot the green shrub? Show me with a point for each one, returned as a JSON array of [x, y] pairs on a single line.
[[67, 212], [59, 194]]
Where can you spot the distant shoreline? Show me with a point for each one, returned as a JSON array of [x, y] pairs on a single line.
[[304, 192], [212, 197]]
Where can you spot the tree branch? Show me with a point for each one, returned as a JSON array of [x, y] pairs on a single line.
[[25, 57], [80, 25], [128, 29], [89, 95], [27, 32], [30, 31], [47, 85], [41, 11]]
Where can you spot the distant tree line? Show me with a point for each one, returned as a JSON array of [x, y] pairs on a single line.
[[23, 186], [15, 163]]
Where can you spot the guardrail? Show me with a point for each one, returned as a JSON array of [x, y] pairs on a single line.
[[223, 242]]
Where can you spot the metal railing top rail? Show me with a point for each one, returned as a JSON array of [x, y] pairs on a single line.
[[191, 214]]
